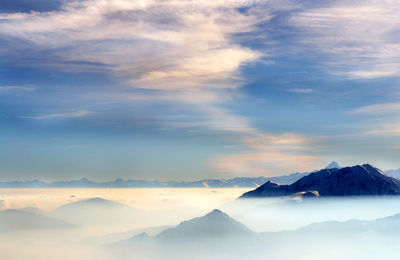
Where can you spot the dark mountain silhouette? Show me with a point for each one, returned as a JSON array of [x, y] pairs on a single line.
[[349, 181]]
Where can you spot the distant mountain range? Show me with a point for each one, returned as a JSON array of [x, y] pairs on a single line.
[[349, 181], [393, 173], [240, 182], [218, 236], [212, 236], [120, 183], [387, 226]]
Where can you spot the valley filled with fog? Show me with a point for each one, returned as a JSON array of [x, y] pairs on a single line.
[[151, 223], [199, 129]]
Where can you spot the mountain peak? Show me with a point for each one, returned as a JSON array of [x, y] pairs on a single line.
[[216, 212], [212, 225], [333, 165], [357, 180]]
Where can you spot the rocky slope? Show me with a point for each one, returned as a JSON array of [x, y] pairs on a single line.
[[357, 180]]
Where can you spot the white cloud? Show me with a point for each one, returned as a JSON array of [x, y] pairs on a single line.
[[263, 164], [268, 155], [153, 44], [15, 88], [358, 38], [183, 53], [377, 109], [302, 90], [384, 129], [80, 113]]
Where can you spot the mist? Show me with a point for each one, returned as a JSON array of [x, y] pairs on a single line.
[[180, 224]]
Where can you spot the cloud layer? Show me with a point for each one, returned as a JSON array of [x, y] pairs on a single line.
[[357, 37], [184, 63]]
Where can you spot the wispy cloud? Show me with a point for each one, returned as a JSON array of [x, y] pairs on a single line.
[[179, 52], [302, 90], [69, 147], [384, 129], [264, 164], [268, 155], [75, 114], [377, 109], [183, 53], [16, 88], [358, 38], [153, 45]]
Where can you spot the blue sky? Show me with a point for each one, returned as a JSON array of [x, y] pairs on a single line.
[[183, 90]]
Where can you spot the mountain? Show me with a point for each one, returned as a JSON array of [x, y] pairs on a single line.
[[215, 224], [387, 225], [349, 181], [121, 183], [393, 173], [14, 219], [84, 182], [33, 210], [288, 179], [96, 211], [98, 202], [351, 239], [24, 184], [212, 236], [240, 182], [333, 165], [125, 235]]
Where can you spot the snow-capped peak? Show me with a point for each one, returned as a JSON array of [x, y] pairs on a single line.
[[333, 165]]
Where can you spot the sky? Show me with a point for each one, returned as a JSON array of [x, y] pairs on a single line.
[[184, 90]]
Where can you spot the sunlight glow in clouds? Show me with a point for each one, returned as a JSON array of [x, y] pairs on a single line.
[[154, 45], [268, 154], [260, 77], [183, 49]]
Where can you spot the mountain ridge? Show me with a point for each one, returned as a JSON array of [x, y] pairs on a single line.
[[20, 219], [240, 182], [215, 224], [349, 181]]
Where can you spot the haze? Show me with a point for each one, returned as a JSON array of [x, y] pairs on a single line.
[[95, 227], [199, 129]]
